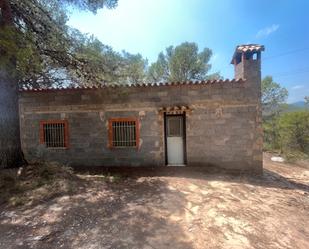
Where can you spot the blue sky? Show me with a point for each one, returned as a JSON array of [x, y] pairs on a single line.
[[149, 26]]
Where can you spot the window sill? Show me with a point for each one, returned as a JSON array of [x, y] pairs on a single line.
[[56, 148], [135, 147]]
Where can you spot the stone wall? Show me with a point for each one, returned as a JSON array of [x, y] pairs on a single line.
[[223, 128]]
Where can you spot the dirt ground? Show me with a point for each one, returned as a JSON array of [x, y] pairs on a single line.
[[175, 209]]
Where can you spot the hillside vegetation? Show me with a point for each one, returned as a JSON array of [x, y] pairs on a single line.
[[286, 126]]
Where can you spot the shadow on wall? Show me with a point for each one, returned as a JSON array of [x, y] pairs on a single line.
[[130, 214]]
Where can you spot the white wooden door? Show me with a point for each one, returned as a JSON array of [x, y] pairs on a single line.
[[175, 140]]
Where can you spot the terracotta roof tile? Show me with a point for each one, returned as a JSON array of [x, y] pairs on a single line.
[[246, 48], [203, 82], [250, 48]]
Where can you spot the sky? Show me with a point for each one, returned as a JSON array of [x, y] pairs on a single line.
[[149, 26]]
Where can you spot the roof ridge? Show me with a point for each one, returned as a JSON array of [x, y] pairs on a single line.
[[156, 84]]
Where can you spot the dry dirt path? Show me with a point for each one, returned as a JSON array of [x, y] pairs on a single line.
[[178, 210]]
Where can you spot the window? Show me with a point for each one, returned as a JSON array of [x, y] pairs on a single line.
[[54, 134], [174, 126], [123, 132]]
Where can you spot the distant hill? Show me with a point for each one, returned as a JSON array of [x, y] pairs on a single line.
[[292, 107], [297, 106], [300, 104]]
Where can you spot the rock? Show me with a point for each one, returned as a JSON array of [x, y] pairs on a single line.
[[277, 159], [36, 238]]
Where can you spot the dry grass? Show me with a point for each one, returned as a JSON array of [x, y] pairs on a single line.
[[36, 182], [40, 181]]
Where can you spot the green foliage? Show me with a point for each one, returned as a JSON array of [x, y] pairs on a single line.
[[286, 129], [273, 96], [97, 63], [41, 50], [271, 134], [46, 52], [288, 132], [92, 5], [158, 71], [181, 63], [134, 68], [105, 65], [295, 131]]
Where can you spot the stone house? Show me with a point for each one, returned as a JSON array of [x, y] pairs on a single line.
[[200, 123]]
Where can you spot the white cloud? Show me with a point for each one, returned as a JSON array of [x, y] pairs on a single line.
[[267, 31], [298, 87]]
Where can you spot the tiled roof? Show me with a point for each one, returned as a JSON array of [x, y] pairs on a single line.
[[175, 109], [246, 48], [202, 82], [250, 48]]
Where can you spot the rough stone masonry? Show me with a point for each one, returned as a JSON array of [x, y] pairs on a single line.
[[222, 120]]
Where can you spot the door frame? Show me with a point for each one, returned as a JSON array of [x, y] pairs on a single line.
[[184, 134]]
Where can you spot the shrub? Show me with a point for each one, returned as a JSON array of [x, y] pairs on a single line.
[[288, 133], [294, 131]]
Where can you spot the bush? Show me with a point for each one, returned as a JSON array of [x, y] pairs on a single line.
[[288, 133], [294, 131]]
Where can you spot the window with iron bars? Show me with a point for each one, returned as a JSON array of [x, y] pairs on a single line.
[[54, 134], [123, 132]]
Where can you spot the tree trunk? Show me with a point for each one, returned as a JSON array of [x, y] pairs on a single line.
[[10, 145]]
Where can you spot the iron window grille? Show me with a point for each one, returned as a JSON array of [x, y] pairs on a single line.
[[54, 134], [123, 132]]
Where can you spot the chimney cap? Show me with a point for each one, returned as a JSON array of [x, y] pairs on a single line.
[[247, 48]]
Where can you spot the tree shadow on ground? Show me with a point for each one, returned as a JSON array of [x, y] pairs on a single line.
[[276, 180], [269, 178], [132, 213]]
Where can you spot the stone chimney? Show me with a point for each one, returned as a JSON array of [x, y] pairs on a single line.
[[247, 62], [247, 66]]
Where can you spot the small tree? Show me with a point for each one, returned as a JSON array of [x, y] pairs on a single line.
[[273, 96], [181, 63], [134, 68], [294, 131]]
